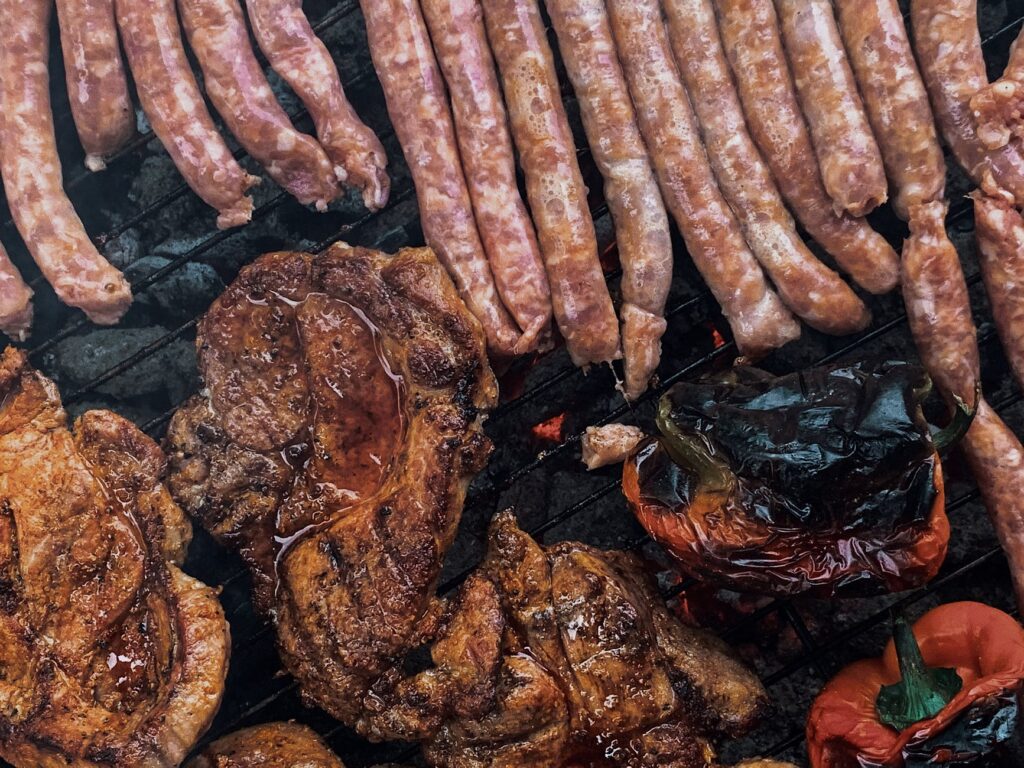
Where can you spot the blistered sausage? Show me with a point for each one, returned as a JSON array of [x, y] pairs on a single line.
[[15, 300], [31, 172], [750, 34], [97, 84], [295, 52], [175, 108], [895, 98], [714, 240], [998, 108], [481, 126], [641, 224], [416, 101], [554, 184], [241, 94], [948, 48], [851, 165], [809, 288]]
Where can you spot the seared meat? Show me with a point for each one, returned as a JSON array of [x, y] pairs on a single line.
[[274, 745], [109, 655], [332, 448], [609, 444]]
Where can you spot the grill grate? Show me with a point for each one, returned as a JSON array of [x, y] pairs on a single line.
[[145, 368]]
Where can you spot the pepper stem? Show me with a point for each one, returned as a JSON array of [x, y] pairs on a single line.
[[922, 692], [963, 416], [691, 451]]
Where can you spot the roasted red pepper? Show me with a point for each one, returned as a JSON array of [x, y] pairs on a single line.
[[827, 480], [945, 694]]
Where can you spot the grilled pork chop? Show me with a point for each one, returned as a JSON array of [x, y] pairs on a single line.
[[274, 745], [332, 448], [109, 654]]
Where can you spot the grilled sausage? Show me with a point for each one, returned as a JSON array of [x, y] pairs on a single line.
[[948, 48], [481, 125], [31, 172], [241, 94], [641, 224], [809, 288], [171, 100], [97, 85], [713, 237], [295, 52], [896, 100], [15, 300], [851, 165], [554, 184], [419, 111], [750, 34], [998, 108]]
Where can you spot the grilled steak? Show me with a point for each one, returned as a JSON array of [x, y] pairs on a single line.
[[274, 745], [332, 448], [109, 654]]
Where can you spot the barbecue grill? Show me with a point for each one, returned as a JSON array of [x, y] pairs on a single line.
[[155, 229]]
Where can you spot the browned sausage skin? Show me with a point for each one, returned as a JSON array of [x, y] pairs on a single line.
[[241, 94], [896, 101], [851, 165], [32, 176], [15, 300], [481, 125], [759, 320], [641, 224], [998, 108], [97, 85], [750, 34], [812, 290], [416, 101], [554, 184], [171, 100], [295, 52], [948, 48]]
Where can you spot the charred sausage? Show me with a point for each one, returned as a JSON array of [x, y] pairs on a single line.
[[948, 48], [750, 34], [241, 94], [32, 177], [295, 52], [481, 125], [896, 101], [641, 224], [171, 100], [419, 111], [851, 165], [15, 300], [554, 184], [809, 288], [97, 85], [998, 108]]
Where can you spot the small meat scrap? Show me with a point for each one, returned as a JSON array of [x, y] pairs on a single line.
[[609, 444]]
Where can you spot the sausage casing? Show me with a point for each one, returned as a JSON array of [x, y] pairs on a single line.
[[809, 288], [171, 100], [97, 84], [481, 125], [32, 176], [897, 103], [641, 224], [851, 164], [241, 94], [750, 34], [416, 101], [295, 52], [15, 300], [998, 108], [554, 184]]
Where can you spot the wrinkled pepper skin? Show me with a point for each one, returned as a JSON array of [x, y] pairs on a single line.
[[986, 648]]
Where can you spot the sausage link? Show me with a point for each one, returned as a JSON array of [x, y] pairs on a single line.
[[97, 84], [809, 288], [948, 48], [295, 52], [750, 34], [241, 94], [897, 103], [998, 108], [759, 320], [481, 126], [15, 300], [175, 108], [32, 177], [851, 164], [554, 184], [419, 111], [641, 224]]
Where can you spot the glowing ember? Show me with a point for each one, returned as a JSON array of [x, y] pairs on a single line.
[[550, 431]]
